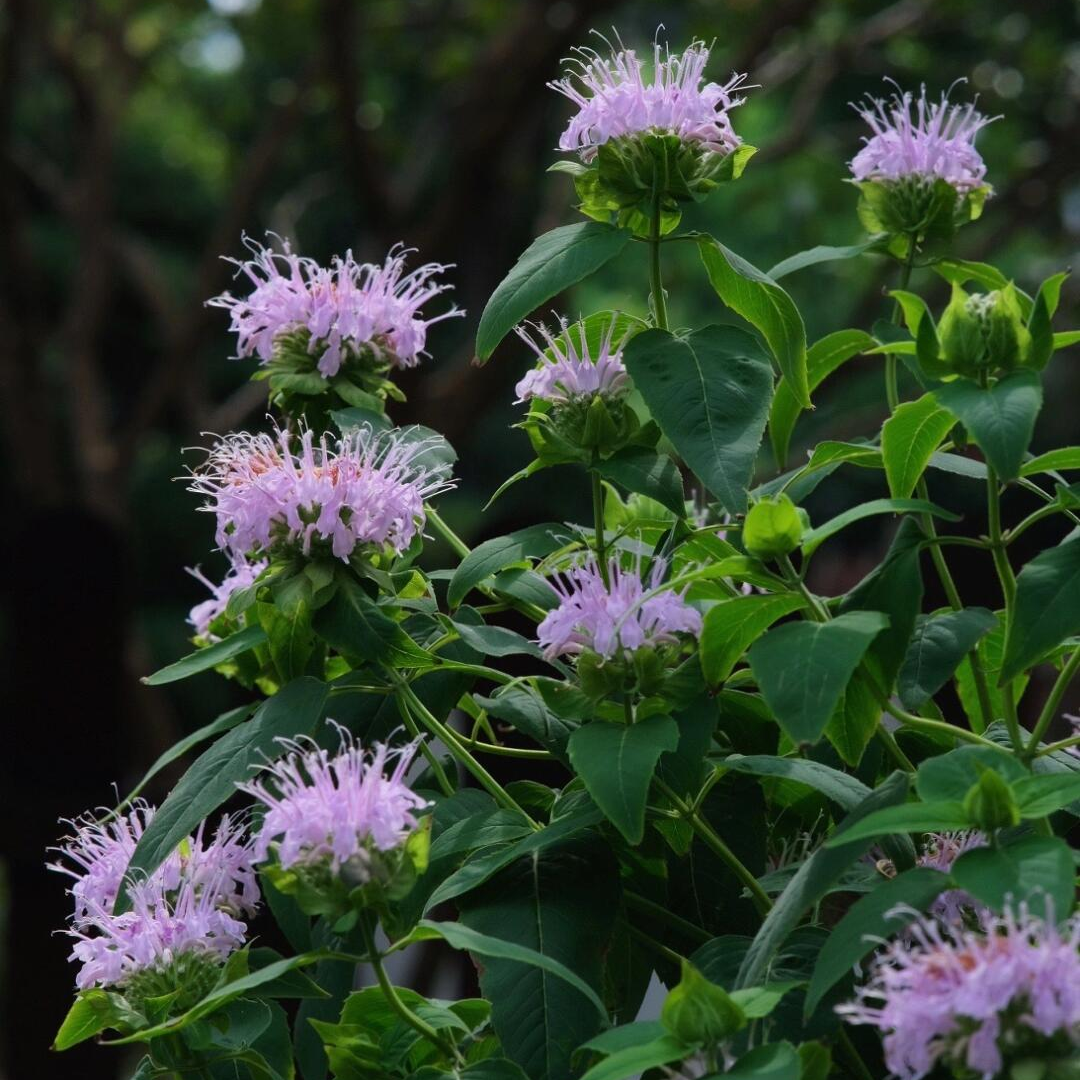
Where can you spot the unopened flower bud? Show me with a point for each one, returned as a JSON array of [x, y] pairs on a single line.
[[772, 528]]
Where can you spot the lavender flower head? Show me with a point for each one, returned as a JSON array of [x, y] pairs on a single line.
[[966, 998], [615, 98], [366, 488], [345, 310], [617, 620], [921, 139], [942, 850], [324, 810], [240, 575], [567, 371], [190, 910]]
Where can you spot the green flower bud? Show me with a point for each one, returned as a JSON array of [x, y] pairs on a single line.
[[699, 1012], [983, 331], [772, 528], [991, 804], [916, 206]]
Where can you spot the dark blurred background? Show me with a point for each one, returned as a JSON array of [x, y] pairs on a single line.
[[138, 139]]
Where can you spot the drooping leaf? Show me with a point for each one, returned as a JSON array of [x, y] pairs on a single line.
[[766, 306], [646, 472], [617, 763], [493, 555], [773, 1061], [353, 623], [845, 790], [938, 645], [895, 588], [822, 359], [802, 668], [211, 780], [1047, 608], [551, 263], [813, 539], [209, 657], [908, 439], [822, 253], [556, 905], [709, 391], [910, 818], [1000, 418], [732, 625]]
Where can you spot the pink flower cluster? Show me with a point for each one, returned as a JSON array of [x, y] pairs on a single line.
[[333, 809], [614, 99], [346, 309], [567, 371], [193, 903], [364, 488], [961, 997], [240, 575], [612, 620], [935, 142]]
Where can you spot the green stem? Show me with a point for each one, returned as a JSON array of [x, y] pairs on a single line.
[[952, 594], [715, 844], [1008, 592], [458, 750], [668, 954], [794, 579], [1061, 744], [598, 524], [888, 740], [1053, 702], [656, 282], [414, 732], [393, 999], [510, 751], [480, 670], [892, 389], [930, 727]]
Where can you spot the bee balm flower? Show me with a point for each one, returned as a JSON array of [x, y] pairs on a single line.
[[335, 813], [918, 139], [615, 99], [185, 918], [347, 310], [965, 999], [616, 619], [284, 490], [567, 372], [241, 574]]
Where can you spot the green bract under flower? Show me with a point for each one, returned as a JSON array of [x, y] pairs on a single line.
[[631, 176]]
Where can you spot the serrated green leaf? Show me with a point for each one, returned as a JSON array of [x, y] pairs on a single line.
[[1047, 609], [550, 264], [616, 762], [908, 439], [731, 626], [1000, 419], [766, 306], [709, 391], [802, 668], [209, 657], [937, 646]]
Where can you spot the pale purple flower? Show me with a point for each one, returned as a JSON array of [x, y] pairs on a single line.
[[334, 809], [193, 903], [941, 851], [616, 620], [615, 98], [928, 140], [365, 488], [941, 993], [567, 372], [347, 309], [240, 575]]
